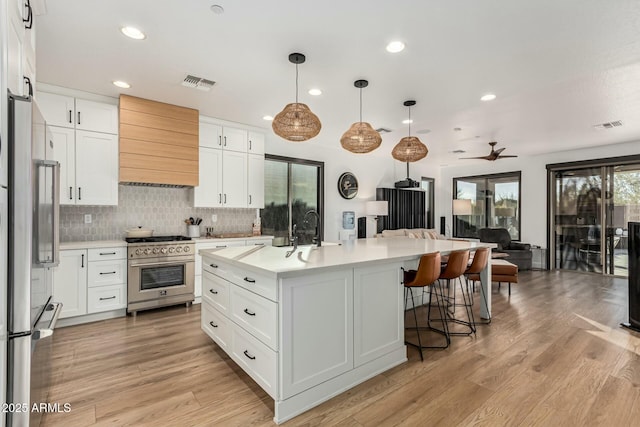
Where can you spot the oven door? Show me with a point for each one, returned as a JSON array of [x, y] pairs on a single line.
[[152, 279]]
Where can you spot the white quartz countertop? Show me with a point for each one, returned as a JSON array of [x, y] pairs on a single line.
[[216, 239], [93, 244], [272, 261]]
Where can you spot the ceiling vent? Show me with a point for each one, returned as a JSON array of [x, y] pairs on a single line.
[[198, 83], [383, 130], [608, 125]]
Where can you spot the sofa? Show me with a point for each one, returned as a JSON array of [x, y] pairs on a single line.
[[519, 253]]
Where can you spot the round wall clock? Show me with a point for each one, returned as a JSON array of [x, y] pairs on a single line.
[[348, 185]]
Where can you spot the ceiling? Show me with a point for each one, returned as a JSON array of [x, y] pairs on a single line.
[[557, 67]]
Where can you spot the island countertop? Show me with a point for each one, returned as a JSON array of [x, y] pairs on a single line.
[[271, 261]]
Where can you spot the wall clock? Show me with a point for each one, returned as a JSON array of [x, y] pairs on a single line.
[[348, 185]]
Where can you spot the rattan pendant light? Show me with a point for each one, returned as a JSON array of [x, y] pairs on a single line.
[[361, 137], [296, 122], [410, 148]]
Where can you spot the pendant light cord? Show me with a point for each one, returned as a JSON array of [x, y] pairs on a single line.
[[360, 105], [409, 121], [296, 83]]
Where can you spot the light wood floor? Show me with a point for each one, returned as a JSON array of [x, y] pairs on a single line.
[[554, 355]]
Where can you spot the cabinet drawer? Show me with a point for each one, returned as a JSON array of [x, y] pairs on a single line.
[[217, 326], [106, 298], [214, 245], [254, 282], [256, 314], [255, 358], [103, 273], [215, 291], [103, 254]]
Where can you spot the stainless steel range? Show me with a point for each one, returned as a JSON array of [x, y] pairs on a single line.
[[161, 272]]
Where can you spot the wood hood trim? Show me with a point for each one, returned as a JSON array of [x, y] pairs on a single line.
[[158, 143]]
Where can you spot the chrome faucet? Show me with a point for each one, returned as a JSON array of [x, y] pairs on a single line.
[[294, 241], [317, 215]]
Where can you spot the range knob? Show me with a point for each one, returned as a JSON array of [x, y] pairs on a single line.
[[172, 249], [147, 251], [179, 249], [163, 250], [156, 250], [138, 251], [187, 248]]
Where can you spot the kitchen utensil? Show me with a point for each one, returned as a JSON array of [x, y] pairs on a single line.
[[192, 221], [139, 232], [198, 221]]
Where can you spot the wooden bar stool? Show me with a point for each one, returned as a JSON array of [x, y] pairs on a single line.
[[425, 276], [455, 269]]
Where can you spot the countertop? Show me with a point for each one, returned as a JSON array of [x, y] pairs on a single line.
[[272, 261], [214, 239], [93, 244]]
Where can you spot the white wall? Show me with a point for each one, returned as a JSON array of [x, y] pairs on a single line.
[[372, 170], [534, 183]]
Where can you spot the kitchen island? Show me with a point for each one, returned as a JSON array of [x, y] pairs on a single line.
[[316, 323]]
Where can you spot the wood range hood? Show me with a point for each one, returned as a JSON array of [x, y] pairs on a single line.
[[158, 143]]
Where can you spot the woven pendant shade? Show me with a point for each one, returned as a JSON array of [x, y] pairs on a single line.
[[409, 149], [361, 136], [296, 122]]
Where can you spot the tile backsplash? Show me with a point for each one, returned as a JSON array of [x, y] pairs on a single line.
[[161, 209]]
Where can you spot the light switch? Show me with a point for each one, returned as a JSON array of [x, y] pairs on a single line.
[[87, 218]]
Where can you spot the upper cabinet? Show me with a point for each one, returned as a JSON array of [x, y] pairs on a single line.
[[21, 47], [223, 137], [81, 114], [256, 143]]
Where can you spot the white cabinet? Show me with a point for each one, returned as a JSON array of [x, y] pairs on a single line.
[[88, 166], [76, 113], [256, 143], [255, 181], [209, 192], [20, 46], [90, 281], [222, 137], [70, 283], [234, 179]]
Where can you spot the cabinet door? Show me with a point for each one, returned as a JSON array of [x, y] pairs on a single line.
[[234, 179], [96, 168], [70, 283], [315, 351], [255, 181], [15, 39], [58, 110], [378, 312], [61, 147], [96, 116], [209, 193], [234, 139], [210, 135], [256, 143]]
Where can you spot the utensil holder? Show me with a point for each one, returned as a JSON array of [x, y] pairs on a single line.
[[193, 230]]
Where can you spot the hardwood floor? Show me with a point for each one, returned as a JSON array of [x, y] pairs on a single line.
[[553, 355]]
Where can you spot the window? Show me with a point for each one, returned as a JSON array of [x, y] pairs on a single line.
[[292, 187], [495, 203]]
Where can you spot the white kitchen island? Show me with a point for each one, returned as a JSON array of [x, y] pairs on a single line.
[[315, 324]]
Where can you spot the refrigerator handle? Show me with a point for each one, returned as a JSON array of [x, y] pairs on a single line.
[[48, 331], [55, 213]]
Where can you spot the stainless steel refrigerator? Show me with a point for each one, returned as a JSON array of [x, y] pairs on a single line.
[[33, 241]]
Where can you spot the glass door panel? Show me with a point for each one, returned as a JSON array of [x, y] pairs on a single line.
[[304, 197], [275, 215], [474, 190]]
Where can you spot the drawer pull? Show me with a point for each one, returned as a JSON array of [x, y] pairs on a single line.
[[108, 272], [104, 299], [213, 292], [213, 325], [221, 246], [107, 253], [246, 310], [246, 353], [250, 280], [258, 244], [213, 265]]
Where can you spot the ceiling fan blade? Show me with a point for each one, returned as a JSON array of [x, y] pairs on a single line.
[[499, 150], [505, 157], [468, 158]]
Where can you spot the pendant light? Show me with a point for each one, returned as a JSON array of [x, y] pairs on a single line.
[[410, 148], [361, 137], [296, 122]]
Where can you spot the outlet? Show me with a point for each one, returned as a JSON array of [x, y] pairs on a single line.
[[214, 218], [87, 218]]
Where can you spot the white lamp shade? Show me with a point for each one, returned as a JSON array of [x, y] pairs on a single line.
[[462, 207], [377, 208]]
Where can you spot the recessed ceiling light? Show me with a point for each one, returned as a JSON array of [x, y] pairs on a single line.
[[488, 97], [217, 9], [268, 118], [315, 92], [407, 121], [133, 33], [395, 47], [122, 84]]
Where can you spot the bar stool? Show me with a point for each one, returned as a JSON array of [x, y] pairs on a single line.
[[455, 269], [426, 275], [479, 263]]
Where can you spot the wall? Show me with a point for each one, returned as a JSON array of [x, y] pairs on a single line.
[[533, 185], [161, 209]]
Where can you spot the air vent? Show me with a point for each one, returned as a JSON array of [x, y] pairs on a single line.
[[383, 130], [198, 83], [608, 125]]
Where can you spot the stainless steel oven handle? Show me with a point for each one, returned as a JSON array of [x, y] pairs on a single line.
[[160, 263]]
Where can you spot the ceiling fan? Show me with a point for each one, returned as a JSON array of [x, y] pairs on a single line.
[[493, 155]]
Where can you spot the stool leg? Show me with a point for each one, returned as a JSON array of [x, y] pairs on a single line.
[[415, 318], [509, 288]]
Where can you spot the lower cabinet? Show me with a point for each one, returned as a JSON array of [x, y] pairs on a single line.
[[70, 283]]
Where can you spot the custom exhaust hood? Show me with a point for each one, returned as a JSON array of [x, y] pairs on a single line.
[[158, 143]]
